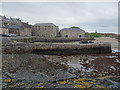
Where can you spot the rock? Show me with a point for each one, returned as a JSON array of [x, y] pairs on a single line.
[[33, 67]]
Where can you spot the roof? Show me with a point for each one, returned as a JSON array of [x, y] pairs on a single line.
[[72, 29], [2, 26], [44, 24], [2, 17], [13, 26], [26, 25]]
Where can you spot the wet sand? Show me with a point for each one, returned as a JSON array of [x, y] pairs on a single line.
[[114, 42]]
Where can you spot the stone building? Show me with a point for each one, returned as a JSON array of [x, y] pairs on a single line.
[[14, 29], [45, 30], [4, 30], [26, 30], [72, 33], [23, 30], [15, 26]]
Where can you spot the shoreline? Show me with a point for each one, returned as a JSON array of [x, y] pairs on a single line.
[[35, 67], [114, 42]]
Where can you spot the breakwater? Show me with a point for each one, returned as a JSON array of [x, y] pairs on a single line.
[[37, 39], [56, 49]]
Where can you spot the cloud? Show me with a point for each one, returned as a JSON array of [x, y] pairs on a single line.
[[102, 15], [60, 1]]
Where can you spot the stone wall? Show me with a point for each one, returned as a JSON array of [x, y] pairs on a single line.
[[45, 31], [25, 32], [58, 49], [72, 34], [14, 31], [45, 39], [4, 31]]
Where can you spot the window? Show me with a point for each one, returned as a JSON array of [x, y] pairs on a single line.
[[66, 35], [52, 27], [36, 27], [80, 35], [45, 27]]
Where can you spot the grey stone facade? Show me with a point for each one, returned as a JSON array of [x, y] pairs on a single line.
[[4, 31], [45, 30], [14, 26], [26, 30], [72, 33]]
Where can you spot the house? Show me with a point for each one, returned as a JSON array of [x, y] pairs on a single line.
[[72, 33], [15, 26], [25, 29], [4, 30], [14, 29], [45, 30]]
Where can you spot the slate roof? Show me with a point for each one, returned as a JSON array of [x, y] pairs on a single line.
[[72, 29], [13, 26], [3, 17], [26, 25], [2, 26], [44, 24]]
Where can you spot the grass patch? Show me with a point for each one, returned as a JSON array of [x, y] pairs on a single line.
[[92, 35]]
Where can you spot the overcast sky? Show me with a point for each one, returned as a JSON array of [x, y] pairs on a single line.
[[90, 16]]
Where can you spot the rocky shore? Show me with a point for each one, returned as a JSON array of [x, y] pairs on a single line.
[[61, 71], [51, 69]]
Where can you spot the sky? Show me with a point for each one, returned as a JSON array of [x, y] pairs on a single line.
[[89, 16]]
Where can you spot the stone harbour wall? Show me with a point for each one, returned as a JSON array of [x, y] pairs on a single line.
[[57, 49], [38, 39]]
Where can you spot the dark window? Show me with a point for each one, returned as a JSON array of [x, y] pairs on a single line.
[[36, 27], [52, 27], [45, 27], [49, 27], [80, 35], [66, 35]]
